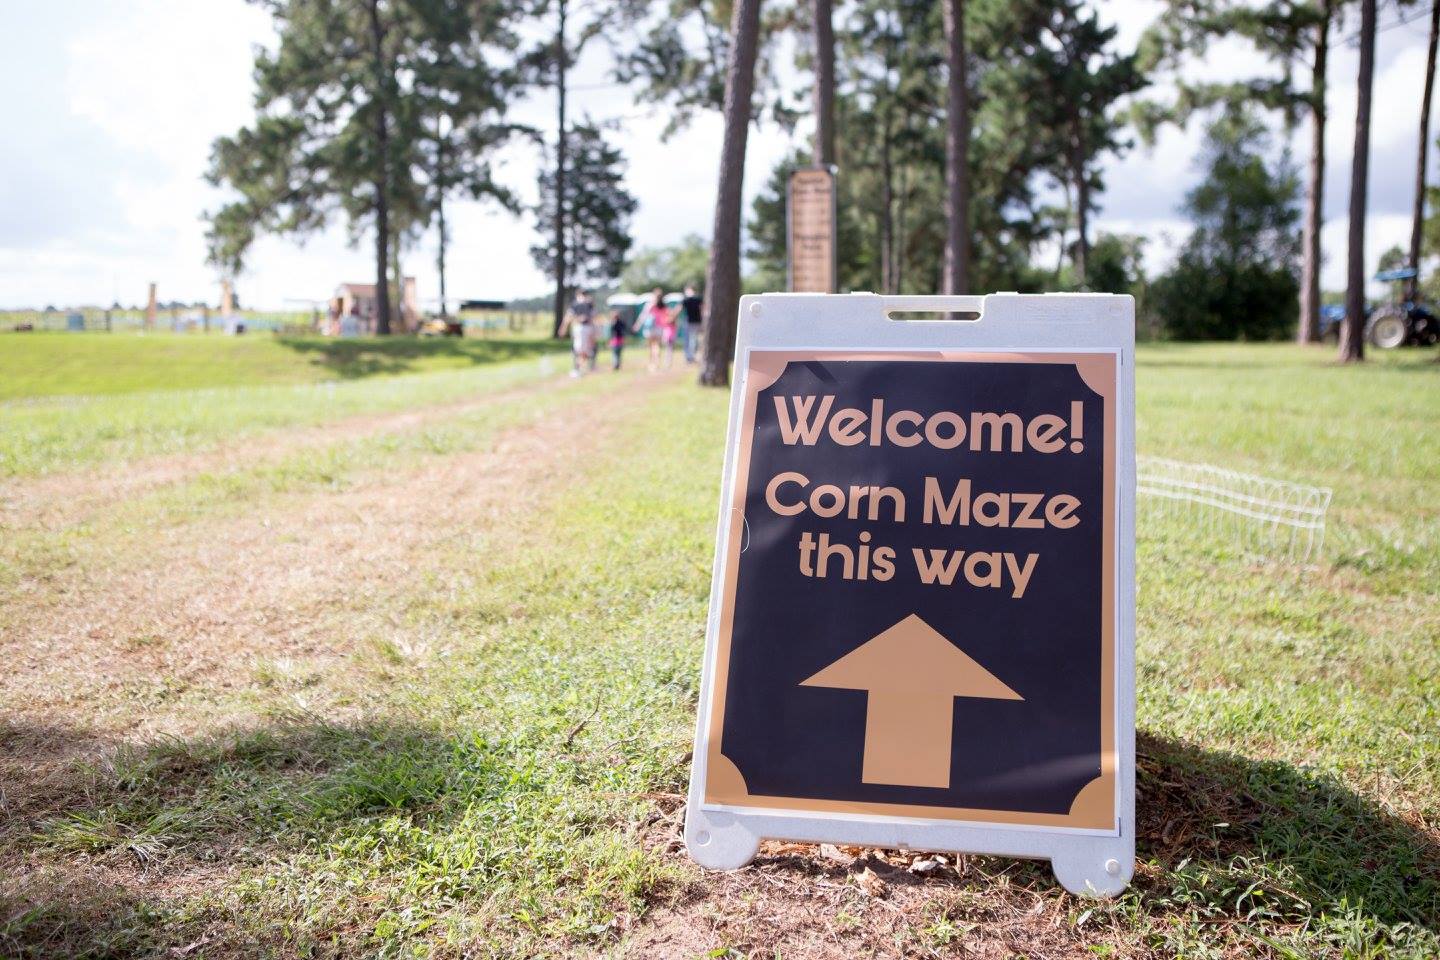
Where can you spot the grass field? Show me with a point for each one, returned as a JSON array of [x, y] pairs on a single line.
[[75, 399], [413, 672], [62, 364]]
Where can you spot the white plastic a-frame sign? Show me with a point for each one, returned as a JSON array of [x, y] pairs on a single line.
[[922, 624]]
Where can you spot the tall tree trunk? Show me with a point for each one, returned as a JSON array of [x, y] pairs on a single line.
[[1413, 287], [1082, 201], [902, 238], [398, 320], [1309, 328], [824, 83], [887, 172], [957, 154], [1064, 233], [887, 211], [1352, 337], [722, 276], [440, 211], [444, 305], [1082, 225], [382, 174], [561, 266]]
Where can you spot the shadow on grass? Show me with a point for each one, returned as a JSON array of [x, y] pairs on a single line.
[[1223, 839], [1225, 843], [87, 862], [1263, 835], [32, 742], [358, 357], [75, 915]]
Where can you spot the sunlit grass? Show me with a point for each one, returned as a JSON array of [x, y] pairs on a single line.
[[47, 434], [87, 364], [494, 795]]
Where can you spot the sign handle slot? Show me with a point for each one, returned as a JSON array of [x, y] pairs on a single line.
[[933, 309], [940, 316]]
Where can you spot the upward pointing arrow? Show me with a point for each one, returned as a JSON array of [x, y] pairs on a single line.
[[912, 675]]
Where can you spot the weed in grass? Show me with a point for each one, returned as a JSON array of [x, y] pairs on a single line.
[[56, 914], [282, 673]]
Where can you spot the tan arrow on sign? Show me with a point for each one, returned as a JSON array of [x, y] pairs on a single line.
[[912, 675]]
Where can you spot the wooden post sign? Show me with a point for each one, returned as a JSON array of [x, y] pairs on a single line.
[[810, 230], [922, 623]]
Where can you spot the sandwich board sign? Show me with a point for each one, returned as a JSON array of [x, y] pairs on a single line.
[[921, 629]]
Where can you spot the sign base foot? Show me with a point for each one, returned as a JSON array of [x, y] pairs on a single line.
[[1095, 874], [718, 841]]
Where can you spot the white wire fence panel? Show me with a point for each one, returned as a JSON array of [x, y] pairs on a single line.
[[1256, 515]]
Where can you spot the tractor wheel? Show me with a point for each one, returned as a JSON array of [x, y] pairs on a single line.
[[1388, 329]]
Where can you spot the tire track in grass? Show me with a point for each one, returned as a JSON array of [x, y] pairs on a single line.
[[174, 641], [73, 496]]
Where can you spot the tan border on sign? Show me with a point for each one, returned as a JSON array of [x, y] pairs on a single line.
[[1094, 806]]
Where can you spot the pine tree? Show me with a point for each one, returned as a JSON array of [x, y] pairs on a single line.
[[1235, 275], [1282, 33], [1058, 52], [722, 278], [1352, 331], [345, 106], [462, 84], [596, 210]]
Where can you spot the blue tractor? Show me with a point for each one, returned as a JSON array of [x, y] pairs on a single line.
[[1332, 317], [1404, 323]]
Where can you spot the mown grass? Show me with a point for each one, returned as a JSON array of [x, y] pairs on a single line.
[[49, 434], [495, 797], [88, 364], [102, 540]]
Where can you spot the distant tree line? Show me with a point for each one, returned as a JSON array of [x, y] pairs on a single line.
[[970, 137]]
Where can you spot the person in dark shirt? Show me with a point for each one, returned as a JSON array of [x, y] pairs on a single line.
[[691, 307], [617, 337]]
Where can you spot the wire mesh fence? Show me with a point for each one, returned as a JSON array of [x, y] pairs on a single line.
[[1255, 515], [482, 323], [167, 320]]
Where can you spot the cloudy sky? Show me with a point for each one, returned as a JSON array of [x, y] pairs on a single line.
[[111, 106]]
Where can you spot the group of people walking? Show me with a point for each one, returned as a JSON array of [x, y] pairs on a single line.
[[656, 323]]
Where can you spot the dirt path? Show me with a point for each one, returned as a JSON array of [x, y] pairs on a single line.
[[72, 497], [165, 643]]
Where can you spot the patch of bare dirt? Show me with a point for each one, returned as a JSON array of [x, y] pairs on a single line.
[[805, 901]]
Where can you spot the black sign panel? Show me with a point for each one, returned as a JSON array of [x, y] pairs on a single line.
[[920, 590]]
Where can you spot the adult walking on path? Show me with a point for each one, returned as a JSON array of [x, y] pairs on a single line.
[[690, 307], [580, 322]]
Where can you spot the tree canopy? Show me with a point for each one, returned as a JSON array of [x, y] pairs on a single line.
[[598, 209], [1235, 275], [669, 268], [355, 111]]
